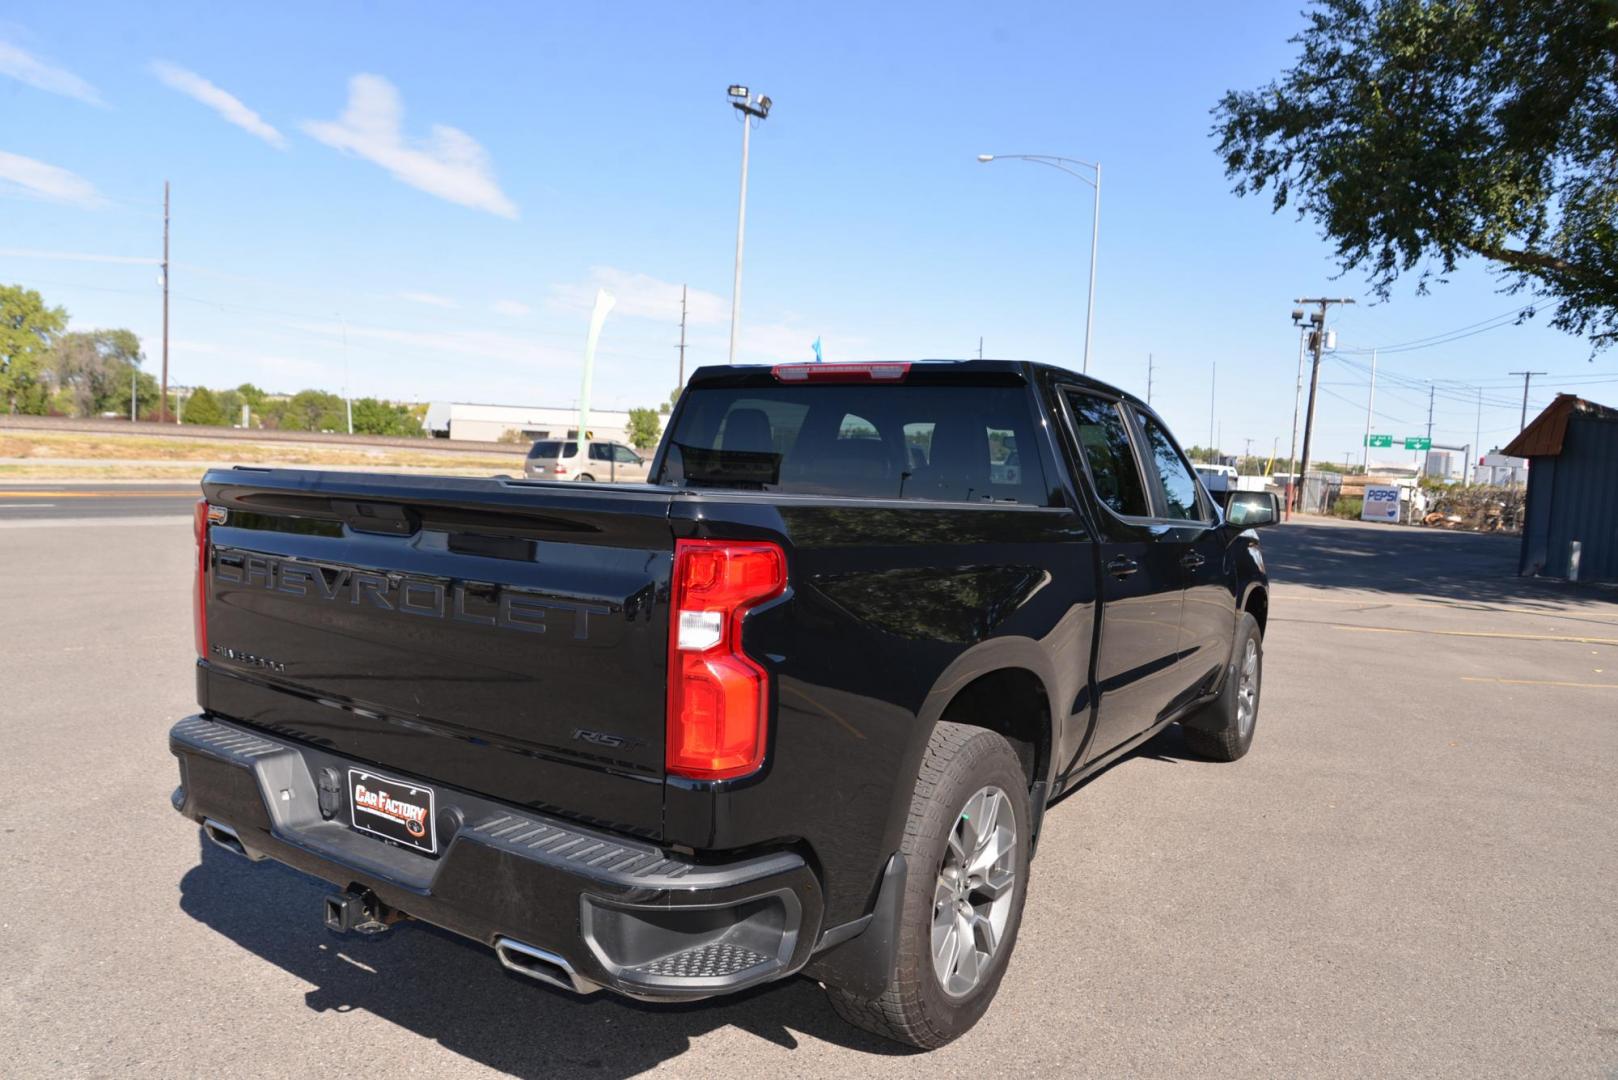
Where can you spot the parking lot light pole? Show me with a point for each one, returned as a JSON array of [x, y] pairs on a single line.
[[751, 108], [1064, 163]]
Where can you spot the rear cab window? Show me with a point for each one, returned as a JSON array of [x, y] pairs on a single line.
[[955, 441], [553, 448]]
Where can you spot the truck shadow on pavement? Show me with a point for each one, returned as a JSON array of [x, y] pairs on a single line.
[[454, 992], [1459, 567]]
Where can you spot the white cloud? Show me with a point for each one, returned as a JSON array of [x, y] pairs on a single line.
[[77, 256], [29, 69], [642, 296], [450, 164], [25, 176], [516, 309], [223, 102], [430, 299]]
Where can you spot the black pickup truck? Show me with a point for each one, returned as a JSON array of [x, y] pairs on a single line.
[[796, 706]]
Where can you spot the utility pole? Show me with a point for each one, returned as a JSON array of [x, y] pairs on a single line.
[[1297, 396], [133, 371], [1526, 376], [1429, 449], [1213, 385], [1148, 378], [1314, 375], [1477, 441], [1370, 407], [742, 101], [980, 347], [681, 346], [163, 404], [1247, 452]]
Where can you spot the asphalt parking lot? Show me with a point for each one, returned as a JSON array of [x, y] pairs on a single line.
[[1415, 872]]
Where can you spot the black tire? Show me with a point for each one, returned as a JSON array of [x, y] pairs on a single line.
[[915, 1008], [1217, 732], [584, 478]]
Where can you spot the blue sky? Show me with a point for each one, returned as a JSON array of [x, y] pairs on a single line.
[[444, 188]]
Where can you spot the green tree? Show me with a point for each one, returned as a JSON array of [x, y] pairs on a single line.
[[147, 393], [373, 417], [230, 404], [314, 410], [1417, 132], [202, 407], [91, 370], [644, 430], [27, 329]]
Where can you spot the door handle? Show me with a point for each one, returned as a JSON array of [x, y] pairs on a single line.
[[1123, 566], [1191, 560]]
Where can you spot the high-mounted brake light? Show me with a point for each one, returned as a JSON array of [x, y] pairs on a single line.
[[718, 703], [205, 515], [840, 373]]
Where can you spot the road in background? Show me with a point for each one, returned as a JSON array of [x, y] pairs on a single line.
[[92, 499], [1412, 874]]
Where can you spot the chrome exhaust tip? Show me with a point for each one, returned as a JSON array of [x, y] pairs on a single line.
[[539, 964], [225, 837]]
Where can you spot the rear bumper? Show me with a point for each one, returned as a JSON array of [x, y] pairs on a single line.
[[601, 909]]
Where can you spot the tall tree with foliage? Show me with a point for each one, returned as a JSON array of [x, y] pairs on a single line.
[[27, 329], [644, 429], [373, 417], [1418, 132], [202, 407], [92, 370], [314, 410]]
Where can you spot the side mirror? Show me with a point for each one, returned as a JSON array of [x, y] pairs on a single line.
[[1252, 509]]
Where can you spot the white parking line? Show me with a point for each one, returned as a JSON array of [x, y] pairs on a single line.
[[22, 506]]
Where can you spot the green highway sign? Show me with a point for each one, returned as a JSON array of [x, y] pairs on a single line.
[[1379, 440], [1418, 442]]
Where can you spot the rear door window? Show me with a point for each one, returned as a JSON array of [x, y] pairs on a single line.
[[1179, 483], [956, 442], [1103, 435]]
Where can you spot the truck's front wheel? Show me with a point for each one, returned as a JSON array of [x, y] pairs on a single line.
[[966, 843]]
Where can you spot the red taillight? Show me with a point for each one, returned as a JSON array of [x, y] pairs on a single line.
[[560, 470], [199, 589], [839, 373], [718, 696]]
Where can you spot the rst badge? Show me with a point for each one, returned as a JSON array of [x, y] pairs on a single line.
[[392, 809]]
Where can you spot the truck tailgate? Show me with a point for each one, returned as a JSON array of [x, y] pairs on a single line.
[[504, 637]]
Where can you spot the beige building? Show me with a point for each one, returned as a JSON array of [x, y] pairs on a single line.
[[489, 423]]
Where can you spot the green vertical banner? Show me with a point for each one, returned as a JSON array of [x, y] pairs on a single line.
[[604, 303]]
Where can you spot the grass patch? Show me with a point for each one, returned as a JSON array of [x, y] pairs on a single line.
[[41, 448]]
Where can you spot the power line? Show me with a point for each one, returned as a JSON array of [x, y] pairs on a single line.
[[1494, 322]]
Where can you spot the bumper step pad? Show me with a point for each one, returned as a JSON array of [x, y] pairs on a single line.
[[715, 960]]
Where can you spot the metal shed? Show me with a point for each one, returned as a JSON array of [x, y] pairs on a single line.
[[1570, 527]]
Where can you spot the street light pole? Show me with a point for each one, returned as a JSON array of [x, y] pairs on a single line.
[[743, 102], [1062, 163]]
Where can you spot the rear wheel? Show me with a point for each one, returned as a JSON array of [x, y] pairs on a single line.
[[966, 843], [1223, 730], [585, 478]]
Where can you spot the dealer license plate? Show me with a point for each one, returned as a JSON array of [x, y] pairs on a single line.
[[392, 809]]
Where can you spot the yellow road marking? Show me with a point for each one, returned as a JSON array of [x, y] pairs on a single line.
[[1540, 682], [1473, 633], [165, 493]]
